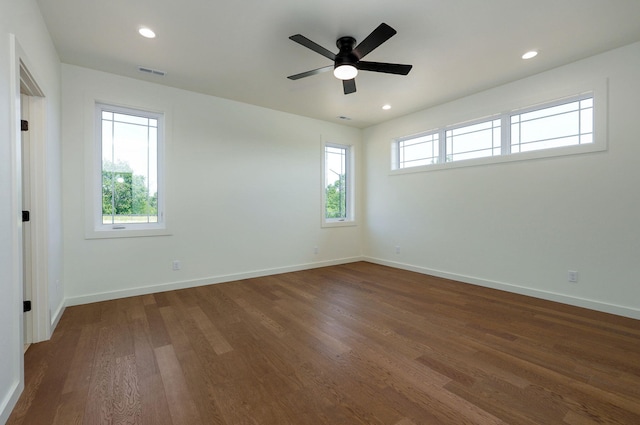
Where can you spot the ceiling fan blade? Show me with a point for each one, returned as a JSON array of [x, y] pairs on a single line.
[[389, 68], [310, 73], [301, 39], [373, 40], [349, 86]]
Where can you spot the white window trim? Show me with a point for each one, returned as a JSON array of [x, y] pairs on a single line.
[[94, 229], [350, 220], [598, 90]]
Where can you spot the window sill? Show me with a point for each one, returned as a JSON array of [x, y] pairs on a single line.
[[524, 156], [125, 233], [337, 223]]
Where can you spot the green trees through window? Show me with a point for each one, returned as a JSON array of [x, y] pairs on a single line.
[[125, 196], [336, 195]]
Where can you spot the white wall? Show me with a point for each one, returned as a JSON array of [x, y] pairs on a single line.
[[22, 18], [244, 193], [520, 226]]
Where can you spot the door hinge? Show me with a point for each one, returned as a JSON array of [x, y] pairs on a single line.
[[26, 216], [24, 125], [26, 306]]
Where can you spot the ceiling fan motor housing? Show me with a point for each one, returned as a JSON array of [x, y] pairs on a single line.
[[345, 56]]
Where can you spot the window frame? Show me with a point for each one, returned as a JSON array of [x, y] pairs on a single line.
[[349, 219], [95, 227], [596, 90]]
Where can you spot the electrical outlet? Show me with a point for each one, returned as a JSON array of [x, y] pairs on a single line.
[[315, 249], [175, 265], [572, 276], [397, 249]]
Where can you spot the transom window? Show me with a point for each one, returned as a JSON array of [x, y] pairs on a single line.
[[567, 122], [473, 141], [421, 150]]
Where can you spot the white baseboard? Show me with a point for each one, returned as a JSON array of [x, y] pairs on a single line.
[[143, 290], [10, 400], [57, 315], [536, 293]]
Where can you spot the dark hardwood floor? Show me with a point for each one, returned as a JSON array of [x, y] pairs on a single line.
[[351, 344]]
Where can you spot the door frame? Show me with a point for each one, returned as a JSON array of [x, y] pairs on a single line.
[[26, 83], [27, 247]]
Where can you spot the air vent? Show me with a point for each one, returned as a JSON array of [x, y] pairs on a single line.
[[151, 71]]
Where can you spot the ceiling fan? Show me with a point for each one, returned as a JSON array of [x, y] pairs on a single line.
[[347, 62]]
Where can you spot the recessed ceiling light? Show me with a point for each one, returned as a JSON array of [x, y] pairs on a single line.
[[530, 54], [147, 32], [386, 107]]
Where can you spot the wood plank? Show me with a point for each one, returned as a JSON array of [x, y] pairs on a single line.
[[181, 405], [81, 365], [127, 406], [157, 329], [219, 344], [70, 411], [99, 408]]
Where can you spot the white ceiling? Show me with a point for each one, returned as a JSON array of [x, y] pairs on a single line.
[[240, 49]]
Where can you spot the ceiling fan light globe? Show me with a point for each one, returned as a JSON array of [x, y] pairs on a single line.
[[345, 72]]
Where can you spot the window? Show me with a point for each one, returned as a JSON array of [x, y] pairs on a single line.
[[473, 141], [337, 184], [565, 123], [420, 150], [129, 193]]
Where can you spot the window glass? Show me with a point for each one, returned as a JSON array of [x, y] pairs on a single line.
[[473, 141], [556, 126], [420, 150]]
